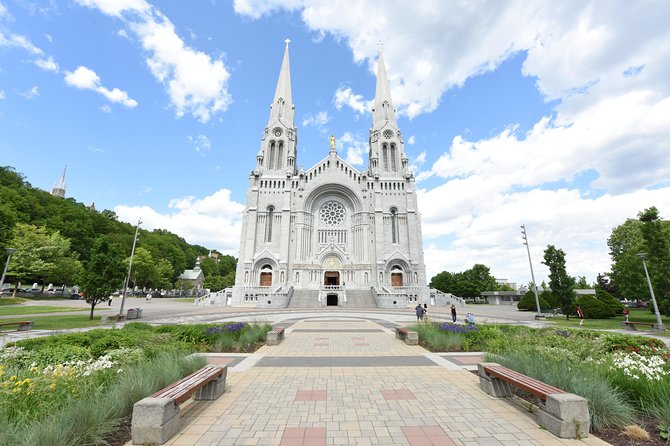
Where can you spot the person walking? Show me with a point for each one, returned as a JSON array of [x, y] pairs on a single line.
[[425, 313], [580, 314], [419, 312], [453, 313]]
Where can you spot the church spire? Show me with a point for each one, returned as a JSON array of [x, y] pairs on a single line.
[[383, 110], [282, 105], [59, 188]]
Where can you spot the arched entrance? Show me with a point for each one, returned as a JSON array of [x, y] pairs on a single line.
[[266, 276], [396, 276], [331, 278]]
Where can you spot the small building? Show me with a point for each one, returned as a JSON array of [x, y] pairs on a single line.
[[194, 276]]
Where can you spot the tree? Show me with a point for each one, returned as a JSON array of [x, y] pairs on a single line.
[[582, 284], [42, 256], [656, 237], [469, 283], [104, 273], [165, 273], [144, 272], [624, 243], [561, 284]]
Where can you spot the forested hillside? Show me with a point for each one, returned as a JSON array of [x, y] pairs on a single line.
[[54, 238]]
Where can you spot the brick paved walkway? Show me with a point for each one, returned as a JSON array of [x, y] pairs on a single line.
[[348, 382]]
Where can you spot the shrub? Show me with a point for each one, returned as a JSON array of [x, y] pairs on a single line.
[[527, 302], [550, 298], [594, 309]]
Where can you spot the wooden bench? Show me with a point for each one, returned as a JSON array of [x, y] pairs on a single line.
[[563, 414], [631, 325], [275, 336], [21, 326], [157, 417], [408, 336]]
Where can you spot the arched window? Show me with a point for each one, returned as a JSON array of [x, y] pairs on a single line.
[[268, 224], [280, 155], [394, 225], [271, 156], [385, 157], [393, 154]]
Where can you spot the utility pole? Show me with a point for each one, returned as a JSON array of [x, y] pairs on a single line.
[[10, 252], [532, 274], [130, 267], [659, 322]]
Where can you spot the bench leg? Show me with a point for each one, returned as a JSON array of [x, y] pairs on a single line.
[[155, 421], [272, 339], [213, 389], [565, 415], [493, 386], [412, 338]]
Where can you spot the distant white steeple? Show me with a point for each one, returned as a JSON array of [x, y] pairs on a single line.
[[282, 106], [59, 188], [383, 110]]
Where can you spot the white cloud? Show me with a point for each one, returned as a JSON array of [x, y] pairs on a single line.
[[200, 142], [106, 109], [355, 147], [195, 83], [18, 41], [411, 140], [49, 37], [31, 94], [86, 79], [4, 14], [214, 221], [318, 120], [2, 94], [344, 96], [48, 64]]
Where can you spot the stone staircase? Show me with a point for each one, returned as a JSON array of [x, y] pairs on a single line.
[[360, 299], [304, 299]]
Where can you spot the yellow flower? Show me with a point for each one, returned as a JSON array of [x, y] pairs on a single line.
[[13, 378]]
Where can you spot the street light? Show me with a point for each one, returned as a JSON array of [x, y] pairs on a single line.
[[10, 251], [532, 274], [130, 266], [659, 323]]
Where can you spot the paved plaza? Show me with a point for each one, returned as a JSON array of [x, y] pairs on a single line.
[[345, 379]]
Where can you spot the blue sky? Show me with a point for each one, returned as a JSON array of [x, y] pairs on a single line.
[[513, 112]]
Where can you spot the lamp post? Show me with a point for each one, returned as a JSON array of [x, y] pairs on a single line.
[[130, 267], [659, 323], [10, 252], [532, 274]]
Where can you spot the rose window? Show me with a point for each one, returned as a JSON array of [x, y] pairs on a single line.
[[332, 213]]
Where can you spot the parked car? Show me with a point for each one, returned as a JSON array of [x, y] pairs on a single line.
[[11, 290]]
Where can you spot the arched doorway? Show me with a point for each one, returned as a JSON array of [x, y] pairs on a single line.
[[331, 300], [266, 276], [396, 277], [331, 278]]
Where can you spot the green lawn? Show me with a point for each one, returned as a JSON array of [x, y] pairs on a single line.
[[36, 309], [636, 315], [59, 322]]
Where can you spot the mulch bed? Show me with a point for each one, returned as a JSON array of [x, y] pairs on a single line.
[[121, 436], [616, 438]]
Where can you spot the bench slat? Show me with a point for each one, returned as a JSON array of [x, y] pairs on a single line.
[[522, 381], [182, 390]]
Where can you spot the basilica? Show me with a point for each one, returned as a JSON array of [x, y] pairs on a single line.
[[331, 235]]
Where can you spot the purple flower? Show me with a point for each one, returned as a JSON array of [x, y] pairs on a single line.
[[228, 328], [456, 328]]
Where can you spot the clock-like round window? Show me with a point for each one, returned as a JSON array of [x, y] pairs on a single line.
[[277, 131], [332, 213]]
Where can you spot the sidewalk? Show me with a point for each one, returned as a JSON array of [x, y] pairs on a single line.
[[349, 381]]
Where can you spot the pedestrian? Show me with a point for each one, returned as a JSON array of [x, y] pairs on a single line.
[[425, 313], [419, 312], [109, 302], [148, 297], [626, 312], [453, 313], [470, 319], [580, 315]]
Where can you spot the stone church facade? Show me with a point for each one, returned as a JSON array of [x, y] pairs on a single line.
[[331, 235]]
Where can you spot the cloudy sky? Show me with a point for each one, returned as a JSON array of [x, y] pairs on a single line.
[[555, 115]]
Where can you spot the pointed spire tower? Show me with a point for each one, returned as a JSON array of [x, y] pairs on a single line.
[[59, 188], [387, 150], [277, 154]]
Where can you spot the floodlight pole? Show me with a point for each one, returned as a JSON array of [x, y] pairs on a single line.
[[10, 252], [130, 267], [659, 323], [532, 274]]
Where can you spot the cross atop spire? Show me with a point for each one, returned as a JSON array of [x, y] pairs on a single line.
[[287, 41], [380, 44]]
